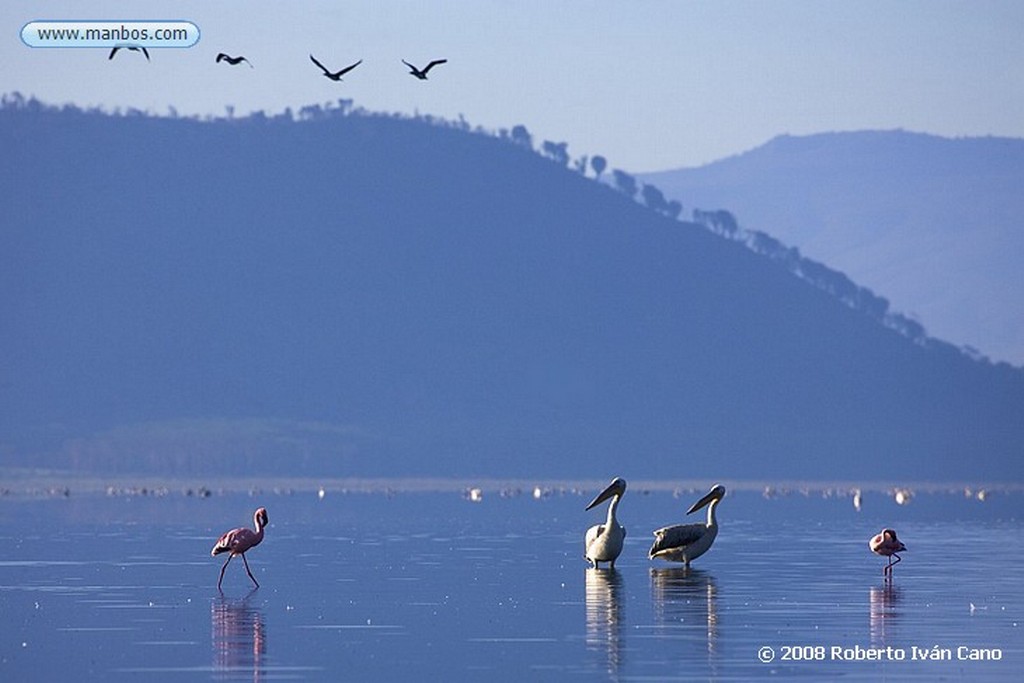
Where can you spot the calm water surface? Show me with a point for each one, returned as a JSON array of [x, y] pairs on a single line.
[[387, 587]]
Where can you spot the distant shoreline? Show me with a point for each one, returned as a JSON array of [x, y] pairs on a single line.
[[19, 482]]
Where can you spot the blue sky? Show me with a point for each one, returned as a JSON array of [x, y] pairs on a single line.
[[651, 85]]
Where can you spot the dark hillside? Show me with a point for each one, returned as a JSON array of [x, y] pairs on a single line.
[[370, 295]]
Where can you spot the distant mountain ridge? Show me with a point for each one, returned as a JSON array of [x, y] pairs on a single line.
[[932, 223], [367, 295]]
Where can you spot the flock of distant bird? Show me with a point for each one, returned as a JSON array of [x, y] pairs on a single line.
[[327, 73], [602, 543]]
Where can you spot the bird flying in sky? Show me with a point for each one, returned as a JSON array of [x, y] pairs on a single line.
[[422, 73], [233, 61], [335, 76]]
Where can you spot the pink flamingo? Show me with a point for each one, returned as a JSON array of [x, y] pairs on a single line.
[[238, 541], [886, 544]]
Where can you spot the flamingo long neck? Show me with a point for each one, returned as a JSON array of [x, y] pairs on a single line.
[[611, 522], [259, 527], [712, 520]]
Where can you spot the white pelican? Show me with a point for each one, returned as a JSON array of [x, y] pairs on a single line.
[[604, 541], [686, 542]]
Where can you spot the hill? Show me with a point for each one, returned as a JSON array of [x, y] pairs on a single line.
[[931, 222], [366, 295]]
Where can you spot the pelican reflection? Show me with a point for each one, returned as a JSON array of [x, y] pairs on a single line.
[[883, 612], [605, 615], [686, 599], [239, 637]]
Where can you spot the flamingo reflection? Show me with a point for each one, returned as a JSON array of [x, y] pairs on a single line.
[[239, 637], [605, 616], [883, 613], [687, 599]]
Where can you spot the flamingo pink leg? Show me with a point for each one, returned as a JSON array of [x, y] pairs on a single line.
[[249, 572], [222, 569]]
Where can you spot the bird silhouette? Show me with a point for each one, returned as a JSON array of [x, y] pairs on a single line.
[[233, 61], [336, 76], [133, 48], [422, 73]]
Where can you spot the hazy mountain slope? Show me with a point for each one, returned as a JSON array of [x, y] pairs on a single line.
[[368, 295], [932, 223]]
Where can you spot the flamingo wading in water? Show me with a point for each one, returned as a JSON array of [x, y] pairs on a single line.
[[604, 541], [686, 542], [886, 544], [238, 541]]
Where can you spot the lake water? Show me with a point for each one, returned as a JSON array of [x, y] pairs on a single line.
[[364, 586]]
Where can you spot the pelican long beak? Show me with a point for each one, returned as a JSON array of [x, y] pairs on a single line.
[[708, 497], [612, 490]]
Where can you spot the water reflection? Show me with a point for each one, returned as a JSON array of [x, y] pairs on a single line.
[[605, 615], [688, 598], [883, 612], [239, 638]]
